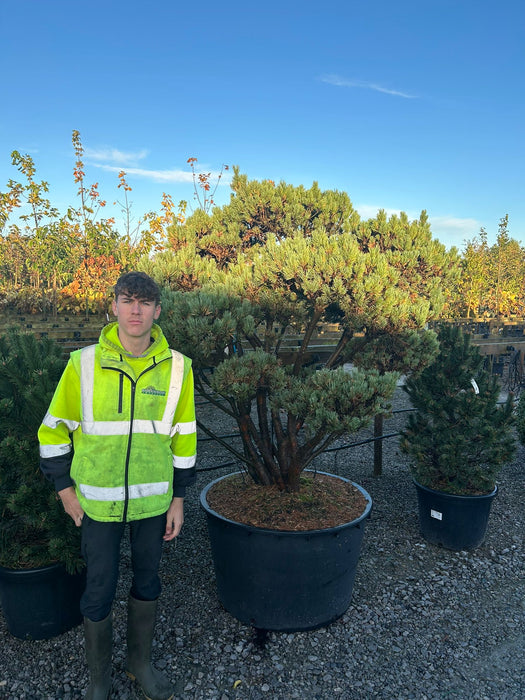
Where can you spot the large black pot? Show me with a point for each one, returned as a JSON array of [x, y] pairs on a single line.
[[281, 580], [41, 603], [453, 522]]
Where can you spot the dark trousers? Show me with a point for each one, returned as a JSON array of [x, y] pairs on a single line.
[[101, 552]]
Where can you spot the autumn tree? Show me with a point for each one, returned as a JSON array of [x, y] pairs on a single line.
[[97, 239], [148, 233], [38, 218], [204, 186], [475, 266], [13, 258], [492, 277], [507, 272]]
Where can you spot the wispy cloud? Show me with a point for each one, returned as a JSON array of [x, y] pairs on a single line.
[[155, 175], [114, 160], [453, 230], [114, 155], [339, 81]]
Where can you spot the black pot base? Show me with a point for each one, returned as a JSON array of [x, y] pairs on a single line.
[[453, 522], [41, 603]]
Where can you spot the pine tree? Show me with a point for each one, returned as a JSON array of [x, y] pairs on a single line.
[[288, 262], [34, 529], [459, 437]]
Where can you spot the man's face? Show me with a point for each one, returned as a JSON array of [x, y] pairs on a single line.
[[135, 316]]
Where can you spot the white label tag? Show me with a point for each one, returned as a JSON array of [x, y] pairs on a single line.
[[436, 514]]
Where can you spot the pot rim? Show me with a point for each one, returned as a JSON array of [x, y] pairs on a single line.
[[459, 496], [209, 510], [33, 569]]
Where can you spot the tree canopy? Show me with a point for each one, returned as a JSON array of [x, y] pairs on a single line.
[[278, 262]]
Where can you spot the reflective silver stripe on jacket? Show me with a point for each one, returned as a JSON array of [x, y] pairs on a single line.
[[177, 375], [118, 493], [52, 422], [187, 428], [87, 381], [152, 427], [184, 462], [121, 427], [47, 451]]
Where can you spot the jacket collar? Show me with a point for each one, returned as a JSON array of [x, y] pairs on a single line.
[[112, 347]]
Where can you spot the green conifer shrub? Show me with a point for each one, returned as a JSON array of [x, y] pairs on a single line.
[[34, 529], [459, 436]]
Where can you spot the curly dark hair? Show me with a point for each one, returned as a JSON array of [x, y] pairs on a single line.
[[138, 285]]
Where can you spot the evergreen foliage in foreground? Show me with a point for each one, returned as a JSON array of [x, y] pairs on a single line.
[[34, 529], [458, 439]]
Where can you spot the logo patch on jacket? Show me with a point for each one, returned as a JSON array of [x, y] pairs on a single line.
[[154, 392]]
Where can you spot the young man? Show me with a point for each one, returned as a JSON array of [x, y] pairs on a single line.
[[119, 443]]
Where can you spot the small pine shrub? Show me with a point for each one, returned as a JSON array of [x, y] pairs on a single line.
[[458, 438], [34, 529]]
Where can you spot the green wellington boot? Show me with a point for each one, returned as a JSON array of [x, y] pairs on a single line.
[[141, 627], [99, 643]]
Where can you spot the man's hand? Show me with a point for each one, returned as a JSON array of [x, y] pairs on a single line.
[[174, 519], [71, 505]]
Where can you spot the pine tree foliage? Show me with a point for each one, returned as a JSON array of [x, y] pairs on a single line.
[[458, 439], [34, 529], [289, 261]]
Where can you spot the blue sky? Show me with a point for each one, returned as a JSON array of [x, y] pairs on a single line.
[[404, 105]]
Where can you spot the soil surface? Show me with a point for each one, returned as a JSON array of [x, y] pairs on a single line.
[[323, 501]]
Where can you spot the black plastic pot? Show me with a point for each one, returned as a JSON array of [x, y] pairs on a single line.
[[453, 522], [281, 580], [41, 603]]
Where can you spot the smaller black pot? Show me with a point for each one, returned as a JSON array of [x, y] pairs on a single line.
[[41, 603], [453, 522]]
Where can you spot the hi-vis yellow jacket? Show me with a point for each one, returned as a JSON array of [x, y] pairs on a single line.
[[122, 429]]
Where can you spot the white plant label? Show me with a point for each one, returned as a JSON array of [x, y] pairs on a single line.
[[436, 514]]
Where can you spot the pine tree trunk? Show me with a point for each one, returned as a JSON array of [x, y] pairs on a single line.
[[378, 444]]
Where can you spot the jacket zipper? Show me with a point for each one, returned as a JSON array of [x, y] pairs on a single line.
[[133, 385], [130, 435]]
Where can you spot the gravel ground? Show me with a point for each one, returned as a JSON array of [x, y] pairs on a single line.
[[424, 622]]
